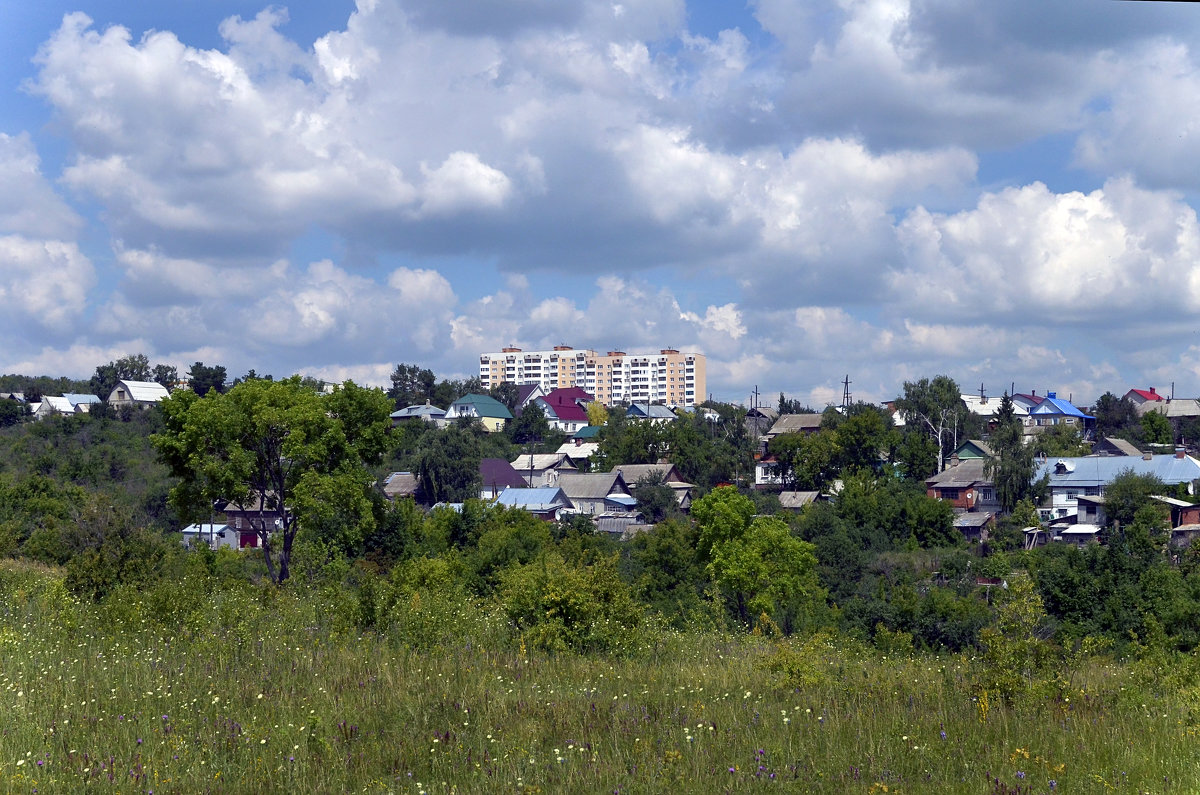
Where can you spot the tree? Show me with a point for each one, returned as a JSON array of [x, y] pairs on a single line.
[[271, 443], [1059, 441], [1127, 493], [11, 412], [135, 367], [808, 462], [597, 413], [655, 499], [791, 406], [412, 385], [1115, 416], [937, 406], [202, 378], [166, 375], [1011, 470], [530, 426], [863, 437], [1156, 428], [507, 393], [448, 465]]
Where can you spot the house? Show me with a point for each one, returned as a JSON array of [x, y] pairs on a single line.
[[759, 420], [578, 451], [1091, 510], [768, 474], [565, 409], [251, 518], [426, 413], [795, 501], [398, 485], [544, 502], [1078, 534], [966, 486], [588, 434], [51, 405], [972, 449], [526, 394], [496, 475], [1053, 410], [1139, 397], [1119, 447], [795, 423], [622, 526], [82, 404], [595, 493], [489, 411], [632, 473], [1072, 478], [1182, 511], [975, 526], [137, 393], [650, 412], [542, 469], [211, 534], [1183, 536]]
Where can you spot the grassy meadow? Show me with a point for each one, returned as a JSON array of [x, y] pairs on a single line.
[[191, 686]]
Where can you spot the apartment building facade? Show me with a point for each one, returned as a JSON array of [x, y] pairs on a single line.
[[668, 377]]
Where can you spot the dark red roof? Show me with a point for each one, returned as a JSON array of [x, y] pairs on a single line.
[[570, 394], [567, 412]]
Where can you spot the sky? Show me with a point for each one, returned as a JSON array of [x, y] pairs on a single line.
[[802, 190]]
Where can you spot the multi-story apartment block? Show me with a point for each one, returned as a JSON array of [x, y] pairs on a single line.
[[669, 376]]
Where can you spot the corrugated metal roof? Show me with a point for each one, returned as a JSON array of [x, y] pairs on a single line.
[[144, 391], [592, 485], [796, 423], [424, 411], [539, 462], [545, 498], [484, 406], [1099, 470]]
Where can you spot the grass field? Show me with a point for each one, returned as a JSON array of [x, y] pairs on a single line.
[[187, 688]]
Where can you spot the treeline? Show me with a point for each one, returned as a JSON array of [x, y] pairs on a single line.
[[104, 496]]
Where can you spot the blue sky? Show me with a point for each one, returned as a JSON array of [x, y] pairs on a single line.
[[800, 189]]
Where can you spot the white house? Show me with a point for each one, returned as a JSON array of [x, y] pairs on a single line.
[[137, 393]]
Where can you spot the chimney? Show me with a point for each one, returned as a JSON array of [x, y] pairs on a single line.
[[1180, 452], [1152, 392], [1033, 392], [1147, 456]]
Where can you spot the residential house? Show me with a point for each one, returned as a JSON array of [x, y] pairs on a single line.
[[544, 502], [795, 423], [425, 413], [81, 404], [975, 526], [211, 535], [1090, 510], [596, 493], [565, 409], [496, 475], [966, 486], [650, 412], [622, 526], [526, 394], [632, 473], [759, 420], [768, 474], [972, 449], [542, 469], [399, 485], [1072, 478], [1140, 397], [489, 411], [1053, 410], [251, 518], [52, 405], [142, 394], [1182, 511], [578, 451], [1119, 447], [794, 501]]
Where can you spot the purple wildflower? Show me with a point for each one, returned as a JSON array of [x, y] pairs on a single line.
[[1020, 774]]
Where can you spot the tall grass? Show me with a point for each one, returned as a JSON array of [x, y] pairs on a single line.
[[192, 688]]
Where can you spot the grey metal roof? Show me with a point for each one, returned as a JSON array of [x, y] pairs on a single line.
[[143, 391], [797, 499], [796, 423], [966, 473], [635, 472], [545, 498], [540, 462], [400, 484], [1099, 470], [424, 411], [592, 485]]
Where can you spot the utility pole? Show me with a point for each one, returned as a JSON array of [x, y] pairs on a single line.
[[846, 392]]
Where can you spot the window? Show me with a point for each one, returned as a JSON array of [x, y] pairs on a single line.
[[949, 494]]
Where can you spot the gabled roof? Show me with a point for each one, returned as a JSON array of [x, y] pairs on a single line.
[[540, 462], [527, 392], [589, 432], [974, 448], [578, 452], [1055, 406], [797, 499], [1178, 408], [569, 394], [143, 391], [57, 404], [592, 485], [632, 473], [796, 423], [1119, 446], [540, 500], [1144, 394], [499, 474], [654, 411], [484, 406], [967, 473], [1025, 402], [423, 411], [78, 399], [400, 484], [563, 412]]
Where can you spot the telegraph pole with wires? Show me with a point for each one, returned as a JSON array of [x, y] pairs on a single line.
[[846, 393]]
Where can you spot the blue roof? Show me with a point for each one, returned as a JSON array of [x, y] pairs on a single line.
[[77, 399], [1100, 470], [1056, 405]]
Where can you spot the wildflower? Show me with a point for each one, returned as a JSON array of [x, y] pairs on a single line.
[[1020, 774], [943, 734]]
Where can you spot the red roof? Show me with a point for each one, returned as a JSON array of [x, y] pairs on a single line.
[[1147, 395], [570, 394], [566, 412]]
